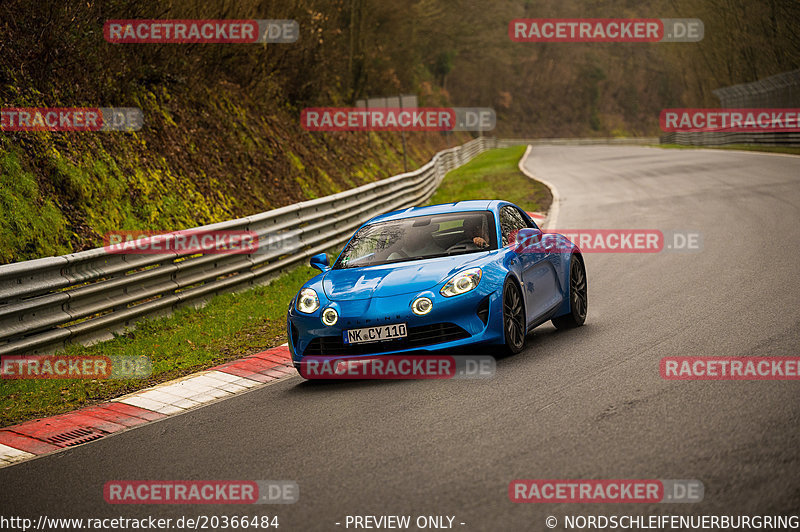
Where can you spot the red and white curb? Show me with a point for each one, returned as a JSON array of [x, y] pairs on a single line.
[[43, 436], [538, 217]]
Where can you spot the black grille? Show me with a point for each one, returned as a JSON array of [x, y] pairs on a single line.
[[295, 337], [438, 333], [483, 310]]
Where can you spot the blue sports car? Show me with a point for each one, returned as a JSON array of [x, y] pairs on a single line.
[[431, 278]]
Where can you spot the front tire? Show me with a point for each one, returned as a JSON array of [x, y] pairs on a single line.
[[513, 318], [577, 297]]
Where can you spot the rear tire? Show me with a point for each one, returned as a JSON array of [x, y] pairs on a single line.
[[577, 297], [513, 318]]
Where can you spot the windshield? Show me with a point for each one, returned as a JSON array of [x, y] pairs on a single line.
[[422, 237]]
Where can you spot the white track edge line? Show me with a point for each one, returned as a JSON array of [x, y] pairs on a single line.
[[552, 212]]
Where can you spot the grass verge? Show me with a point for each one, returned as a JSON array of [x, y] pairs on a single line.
[[232, 326], [494, 175]]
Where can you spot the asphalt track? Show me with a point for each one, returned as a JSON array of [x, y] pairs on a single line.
[[587, 403]]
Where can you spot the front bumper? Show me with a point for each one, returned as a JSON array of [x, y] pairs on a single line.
[[454, 322]]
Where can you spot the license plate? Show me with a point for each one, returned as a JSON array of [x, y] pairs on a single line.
[[375, 334]]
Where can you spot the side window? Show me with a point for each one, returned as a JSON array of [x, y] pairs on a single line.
[[511, 221]]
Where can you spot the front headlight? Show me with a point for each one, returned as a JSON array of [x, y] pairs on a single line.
[[461, 282], [307, 301]]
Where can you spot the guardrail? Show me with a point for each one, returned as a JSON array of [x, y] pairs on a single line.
[[643, 141], [719, 138], [84, 297]]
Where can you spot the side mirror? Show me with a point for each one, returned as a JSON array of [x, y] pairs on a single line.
[[320, 262], [526, 238]]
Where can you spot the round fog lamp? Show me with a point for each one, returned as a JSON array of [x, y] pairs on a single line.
[[329, 316], [421, 306]]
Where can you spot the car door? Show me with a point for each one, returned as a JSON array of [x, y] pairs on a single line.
[[538, 274]]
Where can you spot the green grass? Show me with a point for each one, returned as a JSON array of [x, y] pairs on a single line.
[[237, 325], [741, 147], [494, 175]]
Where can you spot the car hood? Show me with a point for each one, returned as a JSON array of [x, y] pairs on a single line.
[[394, 279]]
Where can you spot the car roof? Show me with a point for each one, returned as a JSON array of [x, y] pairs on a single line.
[[443, 208]]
